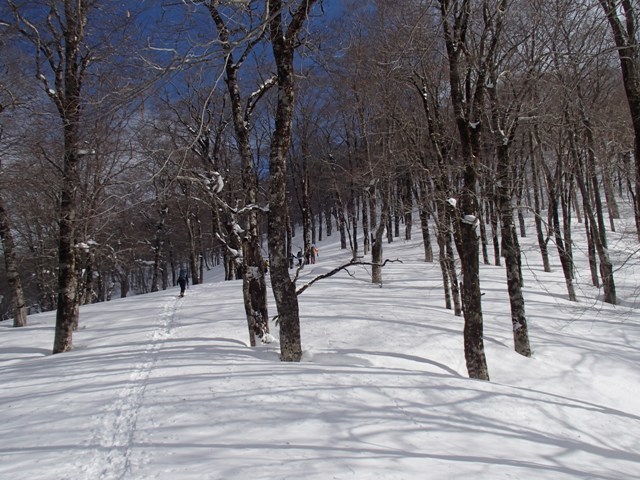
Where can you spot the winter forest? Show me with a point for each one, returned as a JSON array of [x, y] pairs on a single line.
[[138, 138]]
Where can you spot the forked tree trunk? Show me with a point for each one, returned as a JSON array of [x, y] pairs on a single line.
[[283, 40], [455, 23]]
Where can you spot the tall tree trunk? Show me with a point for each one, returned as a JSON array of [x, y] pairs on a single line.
[[537, 207], [504, 129], [67, 100], [158, 249], [307, 227], [444, 268], [366, 241], [59, 41], [623, 20], [338, 209], [511, 251], [465, 216], [407, 205], [352, 211], [327, 218], [609, 193], [451, 268], [11, 263], [483, 237], [425, 212], [493, 216], [566, 260], [253, 277], [596, 220], [283, 40]]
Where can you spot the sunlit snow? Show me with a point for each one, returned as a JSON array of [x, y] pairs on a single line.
[[167, 388]]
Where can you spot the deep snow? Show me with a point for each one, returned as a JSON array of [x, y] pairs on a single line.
[[160, 387]]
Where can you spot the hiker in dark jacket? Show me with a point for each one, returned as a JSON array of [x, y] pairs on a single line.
[[183, 280]]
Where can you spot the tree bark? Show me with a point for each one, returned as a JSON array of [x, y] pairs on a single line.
[[465, 216], [11, 263], [376, 249], [67, 100], [283, 40], [511, 253], [622, 17], [566, 260], [253, 276], [537, 208]]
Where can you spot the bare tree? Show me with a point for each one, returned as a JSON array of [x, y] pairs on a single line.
[[64, 47], [62, 54], [623, 20], [8, 103], [467, 79], [504, 121], [284, 31]]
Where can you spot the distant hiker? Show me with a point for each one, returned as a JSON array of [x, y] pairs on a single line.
[[183, 280], [292, 260], [314, 253], [299, 256]]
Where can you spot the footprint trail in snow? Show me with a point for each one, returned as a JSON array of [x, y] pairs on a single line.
[[112, 441]]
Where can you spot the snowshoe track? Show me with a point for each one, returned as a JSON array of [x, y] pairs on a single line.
[[112, 441]]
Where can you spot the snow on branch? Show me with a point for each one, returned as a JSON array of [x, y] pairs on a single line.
[[257, 95], [236, 255]]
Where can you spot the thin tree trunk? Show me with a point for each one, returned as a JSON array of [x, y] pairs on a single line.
[[537, 207], [366, 233], [606, 267], [158, 242], [444, 267], [424, 221], [566, 259], [511, 252], [494, 234], [451, 269], [353, 222]]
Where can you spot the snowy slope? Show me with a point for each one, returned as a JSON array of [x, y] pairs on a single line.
[[160, 387]]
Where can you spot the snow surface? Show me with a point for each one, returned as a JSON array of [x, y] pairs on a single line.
[[161, 387]]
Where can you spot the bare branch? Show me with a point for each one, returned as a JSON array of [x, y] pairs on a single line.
[[339, 269]]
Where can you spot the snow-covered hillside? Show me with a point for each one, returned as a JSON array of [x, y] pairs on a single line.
[[160, 387]]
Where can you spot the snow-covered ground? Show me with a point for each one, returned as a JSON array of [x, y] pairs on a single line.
[[160, 387]]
